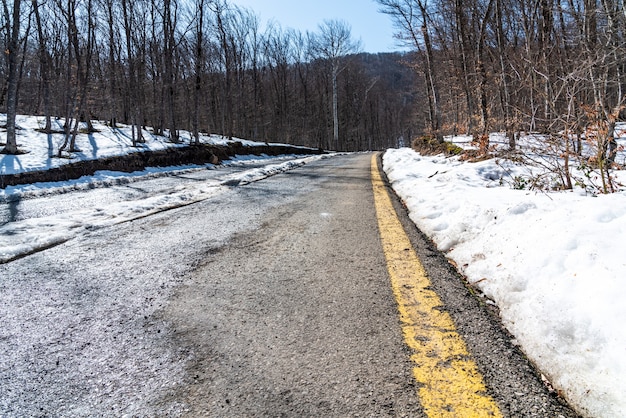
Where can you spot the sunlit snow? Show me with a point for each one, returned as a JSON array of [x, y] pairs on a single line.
[[553, 262], [40, 150], [30, 235]]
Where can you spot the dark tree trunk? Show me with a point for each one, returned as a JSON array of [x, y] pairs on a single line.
[[13, 33], [44, 65]]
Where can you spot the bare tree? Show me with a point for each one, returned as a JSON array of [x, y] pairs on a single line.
[[44, 65], [170, 17], [114, 65], [505, 95], [220, 9], [199, 19], [333, 42], [12, 29], [132, 80], [81, 44], [465, 52], [277, 54], [413, 18]]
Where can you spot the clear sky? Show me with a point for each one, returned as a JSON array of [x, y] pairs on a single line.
[[374, 29]]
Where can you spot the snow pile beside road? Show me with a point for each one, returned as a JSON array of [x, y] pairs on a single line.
[[31, 235], [553, 263], [260, 173]]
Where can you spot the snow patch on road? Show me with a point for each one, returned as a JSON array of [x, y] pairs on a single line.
[[21, 238]]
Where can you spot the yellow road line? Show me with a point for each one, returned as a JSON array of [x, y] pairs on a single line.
[[450, 384]]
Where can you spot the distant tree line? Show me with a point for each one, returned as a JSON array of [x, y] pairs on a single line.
[[475, 66], [200, 66], [556, 67]]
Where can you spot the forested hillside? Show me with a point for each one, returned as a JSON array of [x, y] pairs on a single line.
[[477, 67], [202, 66], [556, 67]]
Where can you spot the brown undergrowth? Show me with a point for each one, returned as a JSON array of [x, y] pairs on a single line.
[[427, 145]]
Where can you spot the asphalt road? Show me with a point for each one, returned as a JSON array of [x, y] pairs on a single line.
[[297, 318], [271, 299]]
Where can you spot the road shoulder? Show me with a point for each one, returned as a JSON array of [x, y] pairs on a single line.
[[511, 379]]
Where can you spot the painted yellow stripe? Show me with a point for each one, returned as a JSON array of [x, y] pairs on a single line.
[[450, 384]]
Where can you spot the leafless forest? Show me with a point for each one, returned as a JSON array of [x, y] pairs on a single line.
[[199, 66], [475, 66], [526, 65]]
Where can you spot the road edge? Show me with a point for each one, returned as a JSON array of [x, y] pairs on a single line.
[[455, 283]]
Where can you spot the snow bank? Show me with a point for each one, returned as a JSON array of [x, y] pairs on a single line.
[[31, 235], [40, 149], [553, 263]]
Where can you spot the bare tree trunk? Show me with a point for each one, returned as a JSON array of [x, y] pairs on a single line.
[[335, 108], [71, 113], [482, 71], [13, 33], [133, 81], [461, 26], [112, 66], [504, 77], [83, 56], [169, 24], [334, 43], [84, 62], [433, 92], [44, 65], [200, 5], [545, 46], [228, 69]]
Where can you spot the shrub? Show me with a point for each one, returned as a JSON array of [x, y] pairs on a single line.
[[428, 145]]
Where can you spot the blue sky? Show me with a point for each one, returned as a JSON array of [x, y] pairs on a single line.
[[373, 28]]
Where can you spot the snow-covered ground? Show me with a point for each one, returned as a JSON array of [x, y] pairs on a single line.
[[39, 153], [553, 262], [40, 150], [26, 236]]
